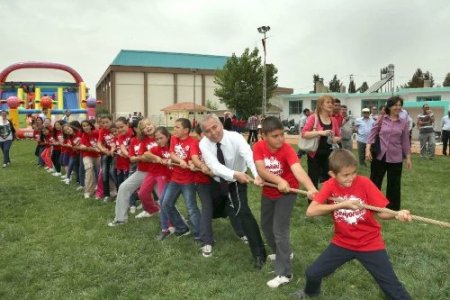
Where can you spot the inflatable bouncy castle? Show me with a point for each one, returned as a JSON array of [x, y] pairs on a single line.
[[24, 99]]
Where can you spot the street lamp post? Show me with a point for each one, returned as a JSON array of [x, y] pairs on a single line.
[[263, 30], [193, 72]]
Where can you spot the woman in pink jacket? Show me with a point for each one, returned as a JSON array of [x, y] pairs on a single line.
[[328, 133]]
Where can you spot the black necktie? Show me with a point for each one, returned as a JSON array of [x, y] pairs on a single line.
[[221, 159]]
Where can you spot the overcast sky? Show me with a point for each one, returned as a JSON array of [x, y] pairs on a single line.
[[306, 37]]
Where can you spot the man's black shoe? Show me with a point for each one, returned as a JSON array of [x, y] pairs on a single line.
[[182, 233]]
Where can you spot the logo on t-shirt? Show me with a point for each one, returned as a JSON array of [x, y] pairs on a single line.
[[151, 145], [180, 151], [273, 165], [350, 216]]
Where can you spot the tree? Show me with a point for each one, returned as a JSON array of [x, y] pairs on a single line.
[[211, 105], [364, 87], [335, 85], [446, 80], [418, 79], [241, 82], [316, 77], [352, 87]]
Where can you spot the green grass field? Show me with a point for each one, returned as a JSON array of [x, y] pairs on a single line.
[[55, 245]]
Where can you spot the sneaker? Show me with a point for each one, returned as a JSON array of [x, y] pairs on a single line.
[[244, 239], [132, 209], [207, 251], [183, 233], [106, 199], [56, 174], [279, 280], [115, 223], [80, 188], [273, 257], [172, 229], [67, 181], [145, 214], [4, 165], [139, 207], [87, 195], [63, 176], [50, 170], [163, 235]]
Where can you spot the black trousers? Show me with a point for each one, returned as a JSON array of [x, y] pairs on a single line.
[[214, 205], [252, 136], [378, 168], [445, 139], [239, 203], [318, 168], [56, 160], [375, 262]]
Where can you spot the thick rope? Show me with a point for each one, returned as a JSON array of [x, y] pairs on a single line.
[[374, 208]]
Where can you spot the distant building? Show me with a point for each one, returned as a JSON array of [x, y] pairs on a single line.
[[148, 81]]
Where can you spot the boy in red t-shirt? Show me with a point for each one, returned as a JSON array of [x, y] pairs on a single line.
[[357, 232], [182, 181], [277, 162]]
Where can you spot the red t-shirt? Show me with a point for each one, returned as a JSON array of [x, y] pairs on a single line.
[[356, 230], [279, 163], [160, 169], [199, 177], [106, 138], [182, 149], [90, 140], [123, 163], [59, 138], [146, 145]]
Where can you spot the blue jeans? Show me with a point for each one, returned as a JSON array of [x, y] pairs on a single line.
[[108, 172], [5, 146], [163, 218], [172, 192]]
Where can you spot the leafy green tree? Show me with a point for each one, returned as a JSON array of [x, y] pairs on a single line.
[[240, 82], [364, 87], [335, 85], [316, 77], [352, 87], [418, 79], [211, 105], [446, 80]]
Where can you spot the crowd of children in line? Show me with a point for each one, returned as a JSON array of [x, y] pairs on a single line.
[[139, 161]]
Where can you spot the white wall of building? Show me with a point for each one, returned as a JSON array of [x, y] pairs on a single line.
[[159, 94], [129, 93]]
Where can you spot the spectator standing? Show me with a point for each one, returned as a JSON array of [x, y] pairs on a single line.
[[253, 123], [227, 123], [346, 129], [393, 132], [363, 126], [427, 140], [445, 134], [337, 113], [7, 135]]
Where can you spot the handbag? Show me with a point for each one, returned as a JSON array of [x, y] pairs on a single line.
[[375, 147], [309, 145]]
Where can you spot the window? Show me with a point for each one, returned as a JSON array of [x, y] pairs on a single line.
[[295, 107], [313, 105], [372, 102], [428, 98]]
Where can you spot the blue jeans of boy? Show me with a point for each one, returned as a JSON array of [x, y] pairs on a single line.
[[5, 146], [172, 192]]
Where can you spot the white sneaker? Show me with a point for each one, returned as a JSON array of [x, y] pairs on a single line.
[[139, 207], [63, 176], [87, 195], [50, 170], [279, 280], [273, 257], [244, 239], [67, 181], [143, 214], [56, 174], [115, 223], [207, 251], [4, 165], [171, 229], [80, 188], [132, 209], [106, 199]]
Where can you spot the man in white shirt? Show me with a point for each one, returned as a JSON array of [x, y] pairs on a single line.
[[363, 126], [228, 155], [445, 134]]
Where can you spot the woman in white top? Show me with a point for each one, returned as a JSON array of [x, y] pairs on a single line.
[[7, 134]]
